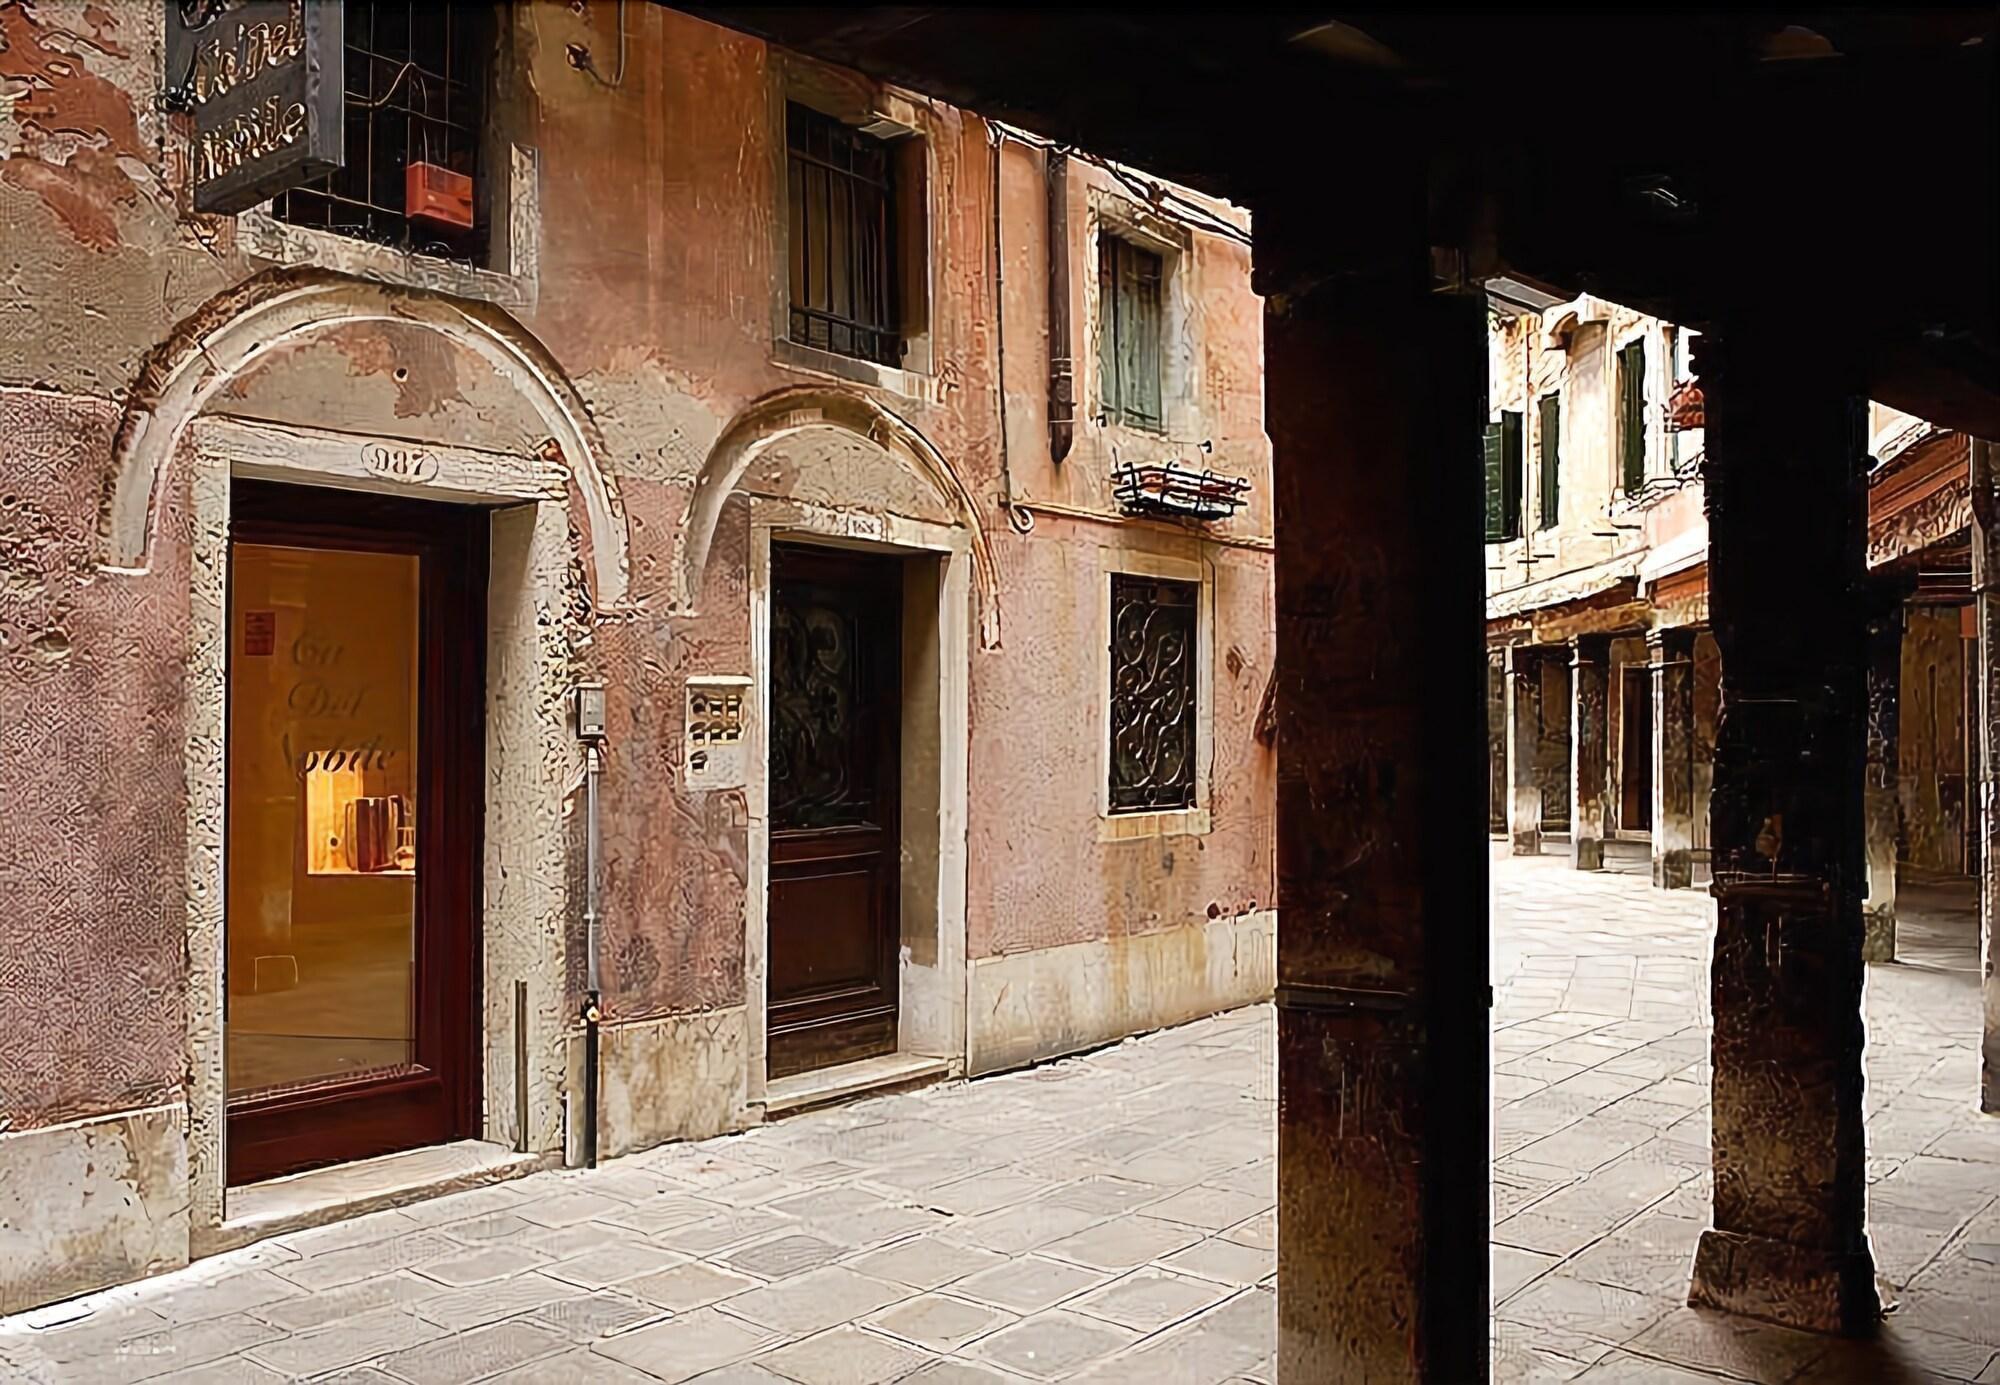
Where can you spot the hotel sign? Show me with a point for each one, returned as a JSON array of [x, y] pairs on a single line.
[[263, 79]]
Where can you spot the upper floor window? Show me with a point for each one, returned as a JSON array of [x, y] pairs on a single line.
[[1154, 624], [1503, 478], [1130, 290], [416, 111], [1548, 427], [1632, 415], [842, 197]]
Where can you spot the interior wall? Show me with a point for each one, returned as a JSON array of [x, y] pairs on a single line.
[[1553, 750], [1933, 781], [1628, 652]]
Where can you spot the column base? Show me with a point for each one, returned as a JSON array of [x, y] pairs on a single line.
[[1527, 843], [1673, 870], [1795, 1286], [1878, 933], [1586, 853]]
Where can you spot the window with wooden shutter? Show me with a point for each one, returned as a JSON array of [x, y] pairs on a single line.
[[1632, 415], [1129, 286], [1548, 424], [1503, 478]]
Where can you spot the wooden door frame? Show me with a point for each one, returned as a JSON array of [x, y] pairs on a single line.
[[271, 1135]]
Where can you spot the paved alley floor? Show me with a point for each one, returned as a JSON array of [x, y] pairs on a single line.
[[1110, 1217]]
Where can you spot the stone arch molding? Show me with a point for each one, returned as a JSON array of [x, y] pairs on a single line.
[[792, 410], [227, 336]]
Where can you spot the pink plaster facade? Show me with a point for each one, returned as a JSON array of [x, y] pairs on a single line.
[[659, 294]]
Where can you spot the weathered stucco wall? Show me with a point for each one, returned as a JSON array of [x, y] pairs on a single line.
[[659, 292], [92, 842]]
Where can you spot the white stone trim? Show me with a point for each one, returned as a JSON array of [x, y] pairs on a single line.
[[236, 328], [1177, 822], [932, 1001], [532, 762]]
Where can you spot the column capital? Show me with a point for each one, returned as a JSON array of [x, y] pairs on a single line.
[[1675, 640], [1589, 649]]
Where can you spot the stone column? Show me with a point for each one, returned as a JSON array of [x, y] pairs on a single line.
[[1881, 800], [1786, 435], [1672, 656], [1589, 749], [1496, 741], [1986, 586], [1524, 747], [1374, 405]]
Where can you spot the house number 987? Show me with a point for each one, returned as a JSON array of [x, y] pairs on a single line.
[[399, 463]]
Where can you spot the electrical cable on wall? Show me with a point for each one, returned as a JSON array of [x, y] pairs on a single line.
[[1157, 195], [580, 59]]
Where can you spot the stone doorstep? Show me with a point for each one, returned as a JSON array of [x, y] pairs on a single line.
[[317, 1197], [823, 1086]]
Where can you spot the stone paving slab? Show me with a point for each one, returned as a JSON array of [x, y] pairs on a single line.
[[1112, 1217]]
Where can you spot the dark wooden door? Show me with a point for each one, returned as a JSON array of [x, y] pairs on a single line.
[[836, 689], [355, 760], [1635, 779]]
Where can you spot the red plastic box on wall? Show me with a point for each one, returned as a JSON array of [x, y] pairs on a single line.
[[432, 192]]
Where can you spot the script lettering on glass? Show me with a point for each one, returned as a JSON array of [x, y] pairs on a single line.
[[263, 80]]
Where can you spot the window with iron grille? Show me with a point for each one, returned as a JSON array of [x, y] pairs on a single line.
[[1128, 331], [416, 93], [841, 196], [1153, 628]]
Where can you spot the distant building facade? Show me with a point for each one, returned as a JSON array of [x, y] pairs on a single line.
[[1603, 678]]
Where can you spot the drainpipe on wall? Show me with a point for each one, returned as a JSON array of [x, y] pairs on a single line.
[[1062, 366], [590, 730], [1019, 516]]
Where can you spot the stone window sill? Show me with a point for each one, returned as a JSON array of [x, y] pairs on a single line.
[[1133, 827], [910, 384], [517, 246]]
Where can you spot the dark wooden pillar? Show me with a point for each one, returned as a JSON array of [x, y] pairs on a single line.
[[1524, 749], [1590, 749], [1986, 586], [1672, 657], [1787, 520], [1374, 408], [1496, 741], [1881, 800]]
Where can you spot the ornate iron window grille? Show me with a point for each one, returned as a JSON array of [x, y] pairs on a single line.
[[416, 92], [841, 192], [1153, 627]]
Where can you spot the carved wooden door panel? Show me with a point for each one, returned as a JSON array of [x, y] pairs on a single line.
[[836, 683]]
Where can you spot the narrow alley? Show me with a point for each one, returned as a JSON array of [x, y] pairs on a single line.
[[1111, 1217]]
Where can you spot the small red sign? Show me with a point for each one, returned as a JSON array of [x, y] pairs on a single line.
[[260, 631]]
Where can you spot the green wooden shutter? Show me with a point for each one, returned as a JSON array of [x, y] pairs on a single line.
[[1107, 327], [1632, 414], [1514, 466], [1129, 333], [1139, 329], [1550, 425], [1496, 501]]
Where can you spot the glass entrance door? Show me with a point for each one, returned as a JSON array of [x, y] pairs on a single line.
[[353, 752]]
